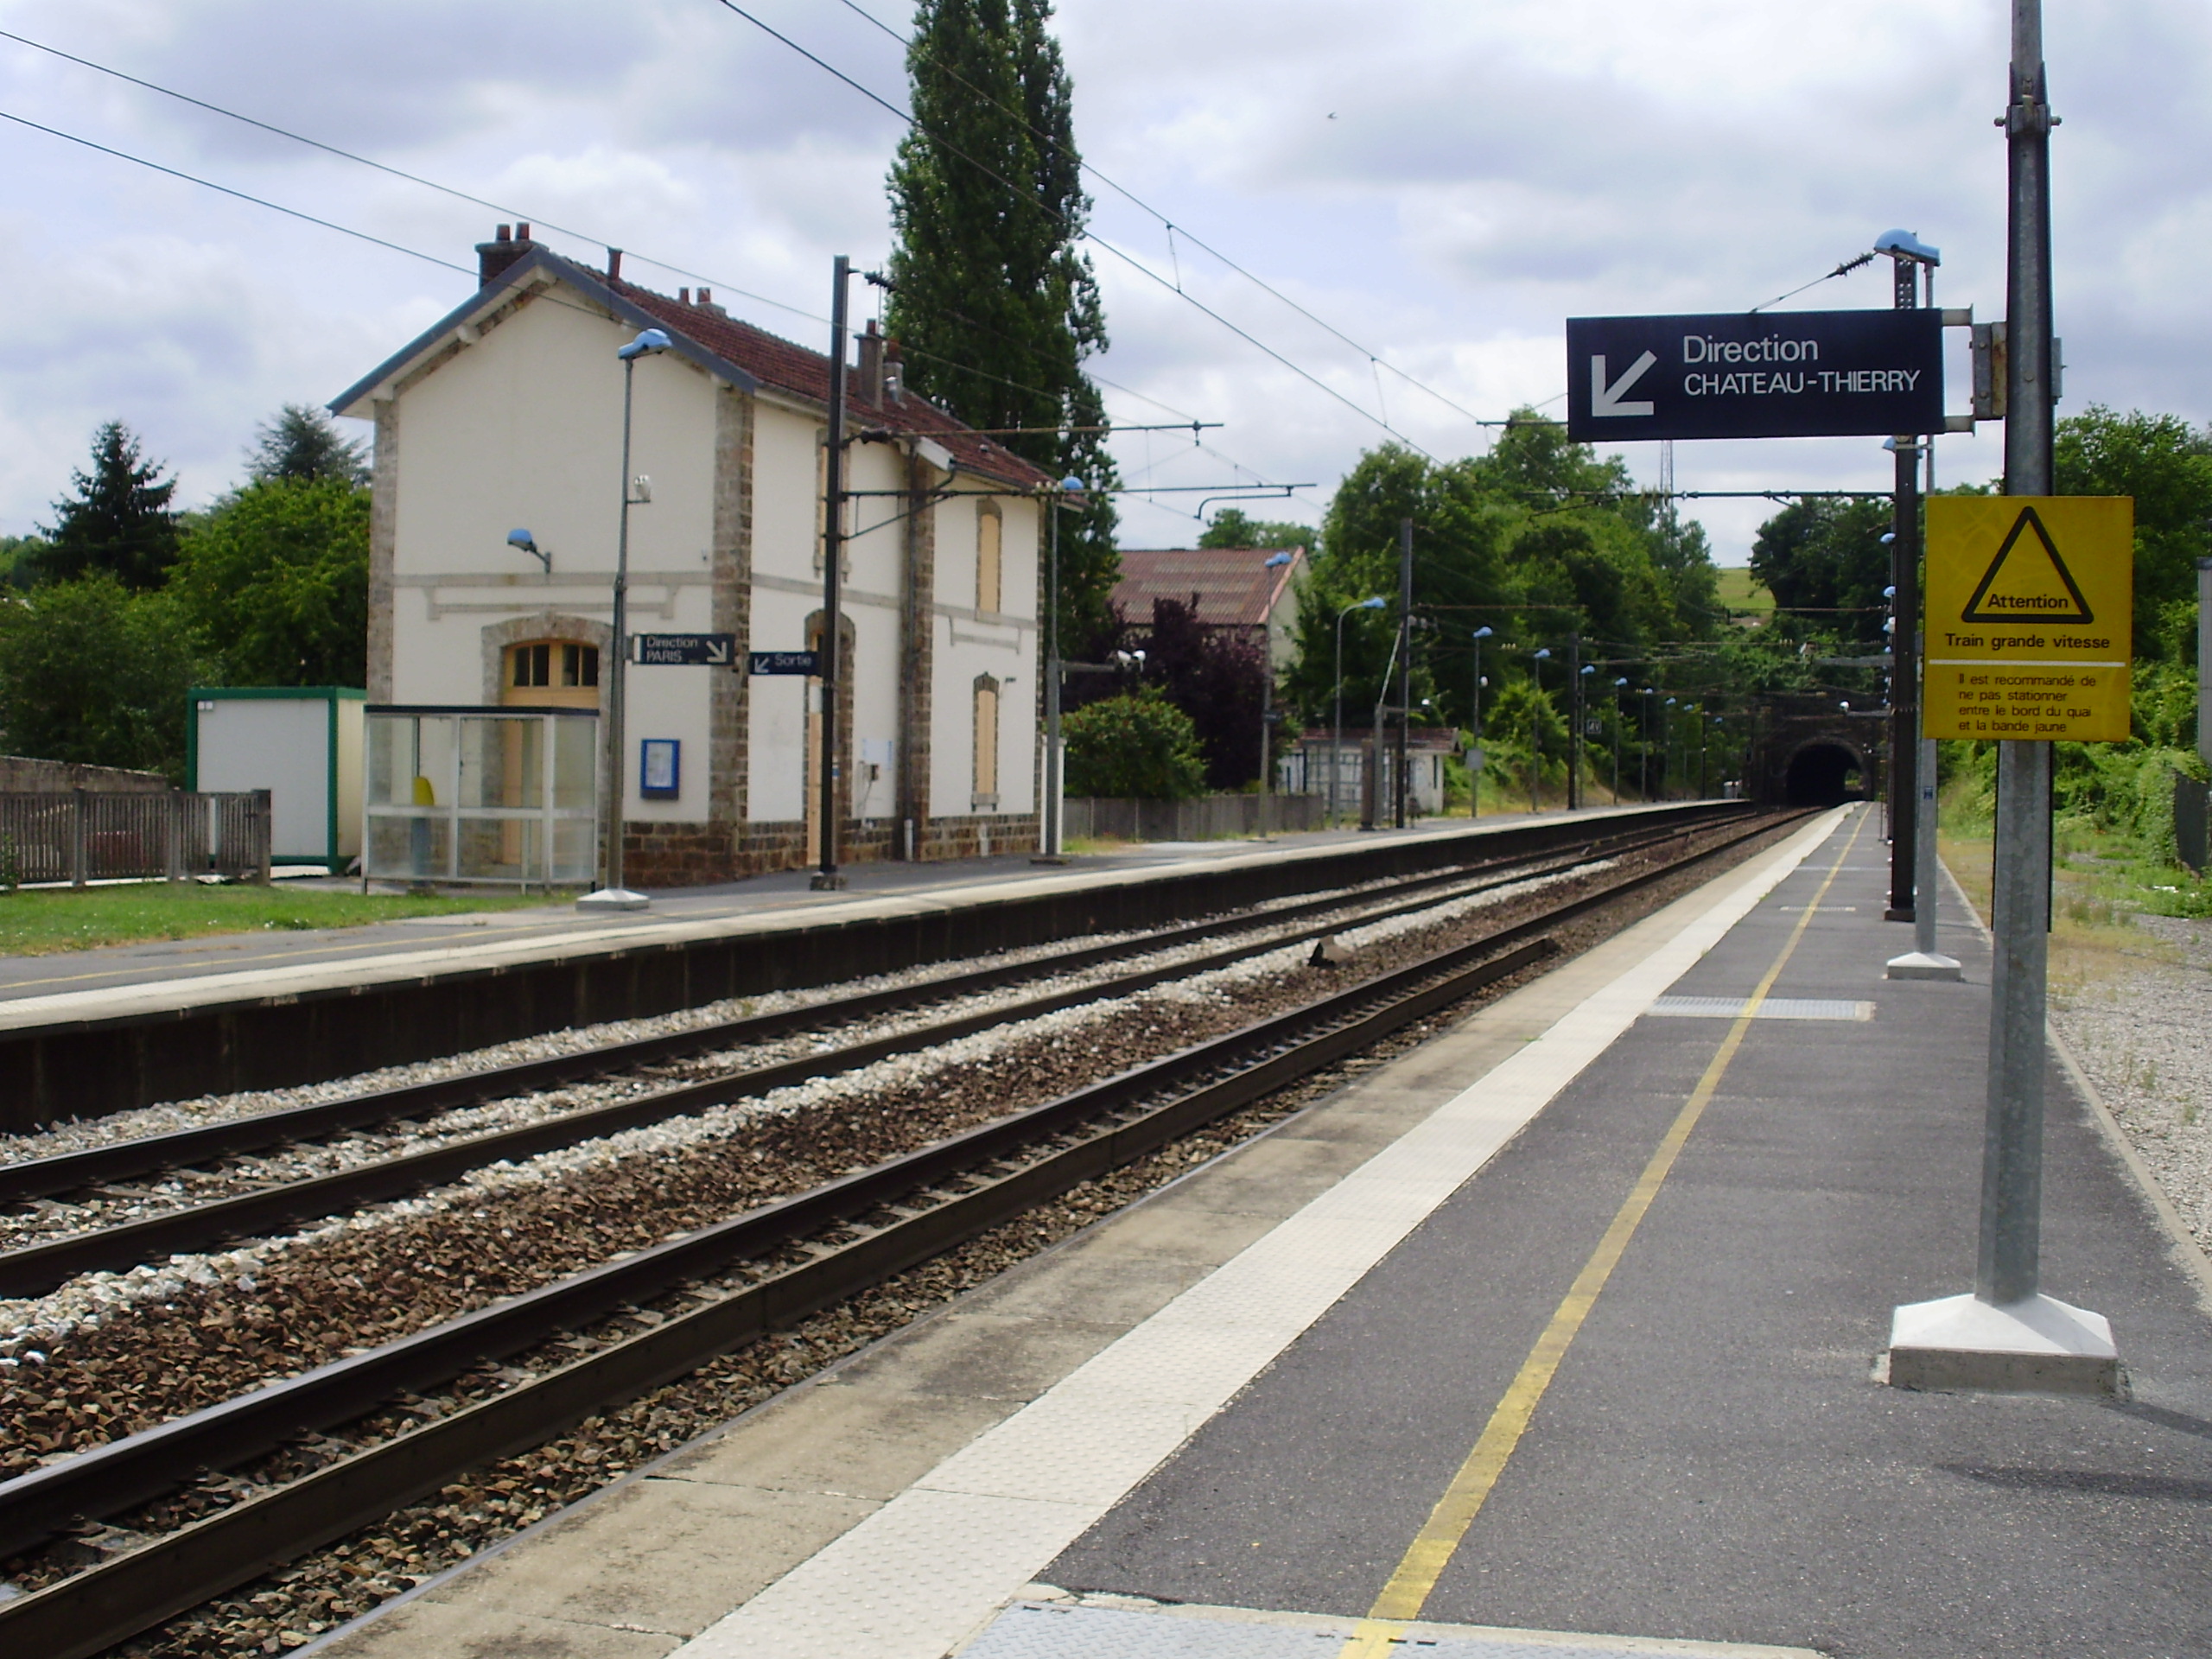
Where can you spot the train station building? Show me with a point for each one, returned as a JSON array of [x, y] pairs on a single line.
[[507, 414]]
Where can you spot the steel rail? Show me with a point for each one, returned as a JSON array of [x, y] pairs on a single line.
[[182, 1149], [107, 1479], [83, 1615], [35, 1269]]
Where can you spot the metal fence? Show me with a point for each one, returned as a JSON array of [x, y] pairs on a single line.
[[1206, 817], [78, 836]]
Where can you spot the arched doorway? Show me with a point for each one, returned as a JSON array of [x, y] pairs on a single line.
[[1824, 774]]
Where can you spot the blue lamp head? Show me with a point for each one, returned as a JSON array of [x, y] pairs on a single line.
[[1483, 634], [1543, 651], [523, 539], [1071, 485], [1903, 244], [647, 343], [1374, 604], [1279, 560], [1589, 668], [1621, 681]]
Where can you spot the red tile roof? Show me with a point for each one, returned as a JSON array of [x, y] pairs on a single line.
[[788, 367], [1235, 587]]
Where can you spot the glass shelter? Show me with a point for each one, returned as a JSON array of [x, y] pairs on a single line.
[[506, 796]]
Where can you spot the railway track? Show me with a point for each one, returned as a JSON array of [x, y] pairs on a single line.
[[736, 1281], [33, 1269]]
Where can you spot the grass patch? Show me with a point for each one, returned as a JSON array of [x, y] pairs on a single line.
[[1740, 590], [35, 924]]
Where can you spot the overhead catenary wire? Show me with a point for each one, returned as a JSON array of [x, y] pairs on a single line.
[[520, 215], [1175, 229], [1081, 231]]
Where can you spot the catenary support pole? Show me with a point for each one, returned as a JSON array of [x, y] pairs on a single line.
[[1904, 612], [2007, 1334], [827, 878], [2204, 660], [1400, 779]]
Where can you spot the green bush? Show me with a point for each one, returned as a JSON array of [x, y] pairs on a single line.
[[1138, 746]]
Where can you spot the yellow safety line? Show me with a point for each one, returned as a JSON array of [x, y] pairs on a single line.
[[1431, 1551]]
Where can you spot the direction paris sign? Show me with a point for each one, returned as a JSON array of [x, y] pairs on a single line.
[[683, 650], [1790, 374]]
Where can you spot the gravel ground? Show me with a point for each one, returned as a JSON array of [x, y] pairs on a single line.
[[2142, 1028], [288, 1608]]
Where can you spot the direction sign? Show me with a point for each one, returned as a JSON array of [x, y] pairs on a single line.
[[781, 662], [686, 650], [2031, 617], [1793, 374]]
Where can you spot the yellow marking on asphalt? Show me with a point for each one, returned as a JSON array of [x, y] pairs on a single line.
[[1432, 1549]]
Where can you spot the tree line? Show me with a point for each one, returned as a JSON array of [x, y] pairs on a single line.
[[112, 613]]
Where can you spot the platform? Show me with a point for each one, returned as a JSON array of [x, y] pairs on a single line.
[[1261, 1413]]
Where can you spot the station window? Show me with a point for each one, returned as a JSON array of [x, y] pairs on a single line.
[[986, 793], [549, 663], [990, 536]]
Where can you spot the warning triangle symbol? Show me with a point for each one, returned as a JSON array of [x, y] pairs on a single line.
[[2027, 582]]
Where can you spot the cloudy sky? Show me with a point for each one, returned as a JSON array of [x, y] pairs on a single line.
[[1440, 181]]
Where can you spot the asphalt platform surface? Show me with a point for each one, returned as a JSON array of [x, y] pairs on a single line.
[[1714, 1459]]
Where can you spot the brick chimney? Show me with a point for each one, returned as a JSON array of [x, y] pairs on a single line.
[[871, 365], [508, 244], [894, 372]]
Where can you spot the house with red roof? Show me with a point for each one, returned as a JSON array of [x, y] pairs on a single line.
[[507, 413], [1234, 588]]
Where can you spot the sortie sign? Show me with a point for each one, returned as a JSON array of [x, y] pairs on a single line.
[[2031, 617], [1791, 374]]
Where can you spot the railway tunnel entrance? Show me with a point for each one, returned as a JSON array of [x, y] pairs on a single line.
[[1823, 774]]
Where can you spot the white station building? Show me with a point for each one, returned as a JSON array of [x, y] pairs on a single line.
[[507, 414]]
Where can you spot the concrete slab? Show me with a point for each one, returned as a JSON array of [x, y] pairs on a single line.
[[1714, 1458]]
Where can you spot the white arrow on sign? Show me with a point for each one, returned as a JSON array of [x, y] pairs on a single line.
[[718, 650], [1606, 400]]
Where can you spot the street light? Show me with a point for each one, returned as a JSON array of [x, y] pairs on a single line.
[[1475, 728], [1274, 562], [1055, 757], [1337, 741], [1582, 684], [1667, 765], [1618, 684], [528, 543], [1643, 767], [1537, 731], [614, 895]]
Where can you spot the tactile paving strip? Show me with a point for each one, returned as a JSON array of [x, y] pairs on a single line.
[[1774, 1007], [1029, 1630]]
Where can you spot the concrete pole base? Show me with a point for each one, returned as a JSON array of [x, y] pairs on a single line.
[[610, 899], [2037, 1346], [1924, 964]]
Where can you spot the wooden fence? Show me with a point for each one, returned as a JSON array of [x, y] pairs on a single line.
[[77, 836], [1205, 818]]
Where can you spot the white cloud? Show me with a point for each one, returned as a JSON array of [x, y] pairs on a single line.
[[1489, 171]]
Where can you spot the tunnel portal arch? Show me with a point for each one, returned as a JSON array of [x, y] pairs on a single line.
[[1825, 772]]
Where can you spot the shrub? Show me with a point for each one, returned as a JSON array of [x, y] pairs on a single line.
[[1139, 744]]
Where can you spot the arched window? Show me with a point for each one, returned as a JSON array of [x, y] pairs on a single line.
[[550, 673], [987, 745], [990, 562]]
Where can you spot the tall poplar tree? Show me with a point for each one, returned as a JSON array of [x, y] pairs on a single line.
[[993, 307]]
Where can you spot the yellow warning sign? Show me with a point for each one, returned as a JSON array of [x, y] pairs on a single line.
[[2029, 617]]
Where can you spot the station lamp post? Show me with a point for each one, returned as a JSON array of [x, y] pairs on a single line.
[[1666, 761], [613, 895], [1584, 679], [1537, 731], [1618, 683], [1055, 751], [1643, 767], [1475, 728], [1336, 739], [1275, 561]]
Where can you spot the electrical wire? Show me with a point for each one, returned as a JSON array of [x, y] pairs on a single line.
[[397, 173], [1173, 230], [519, 214], [1079, 230]]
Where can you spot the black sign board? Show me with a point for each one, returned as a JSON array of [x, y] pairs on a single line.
[[1792, 375], [686, 650], [781, 662]]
